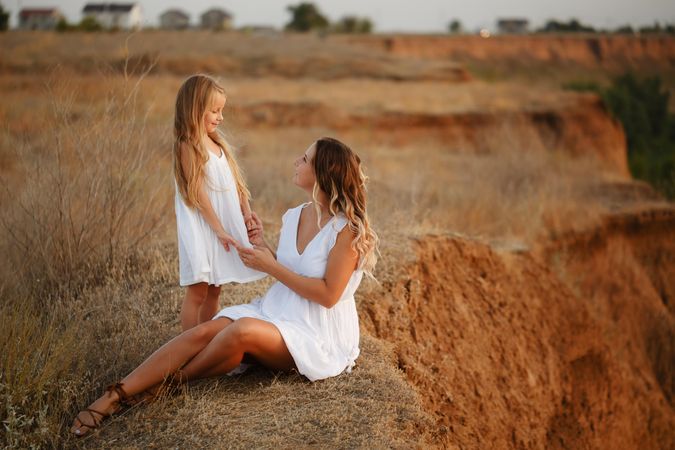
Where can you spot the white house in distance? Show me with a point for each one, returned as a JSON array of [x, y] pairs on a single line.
[[115, 15], [39, 18], [174, 19], [216, 19]]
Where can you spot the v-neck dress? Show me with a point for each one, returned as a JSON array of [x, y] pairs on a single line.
[[323, 342], [201, 256]]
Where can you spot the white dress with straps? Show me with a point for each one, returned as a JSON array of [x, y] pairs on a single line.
[[201, 256], [323, 342]]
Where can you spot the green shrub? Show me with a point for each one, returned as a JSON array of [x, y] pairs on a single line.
[[641, 105], [89, 24]]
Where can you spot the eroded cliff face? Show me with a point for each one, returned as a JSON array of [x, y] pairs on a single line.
[[585, 50], [566, 347], [578, 126]]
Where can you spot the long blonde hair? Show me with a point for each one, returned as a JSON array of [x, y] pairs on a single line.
[[339, 175], [192, 101]]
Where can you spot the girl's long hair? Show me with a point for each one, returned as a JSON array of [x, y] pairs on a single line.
[[339, 175], [194, 97]]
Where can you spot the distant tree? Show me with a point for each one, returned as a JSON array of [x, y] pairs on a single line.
[[626, 29], [573, 26], [89, 24], [306, 17], [353, 24], [657, 28], [4, 18], [62, 26], [455, 26]]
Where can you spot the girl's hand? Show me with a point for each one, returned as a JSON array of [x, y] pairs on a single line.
[[255, 231], [258, 258], [226, 240], [248, 221]]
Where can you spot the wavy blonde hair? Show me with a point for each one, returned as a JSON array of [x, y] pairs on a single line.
[[194, 97], [339, 175]]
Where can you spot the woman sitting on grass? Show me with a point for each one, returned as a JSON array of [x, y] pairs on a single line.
[[307, 320]]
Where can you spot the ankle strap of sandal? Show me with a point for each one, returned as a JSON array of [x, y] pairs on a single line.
[[123, 397]]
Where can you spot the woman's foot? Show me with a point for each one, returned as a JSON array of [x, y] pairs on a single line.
[[91, 417]]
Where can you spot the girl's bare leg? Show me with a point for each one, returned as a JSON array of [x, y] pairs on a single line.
[[258, 338], [195, 295], [163, 362], [209, 307]]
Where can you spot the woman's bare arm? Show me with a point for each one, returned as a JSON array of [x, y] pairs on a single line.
[[326, 291]]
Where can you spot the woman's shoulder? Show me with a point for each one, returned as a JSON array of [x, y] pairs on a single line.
[[340, 221], [294, 210]]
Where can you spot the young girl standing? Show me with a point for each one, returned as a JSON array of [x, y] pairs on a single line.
[[212, 201]]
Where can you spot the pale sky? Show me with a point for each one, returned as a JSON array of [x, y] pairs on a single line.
[[401, 15]]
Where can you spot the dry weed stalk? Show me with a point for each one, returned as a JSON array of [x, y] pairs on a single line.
[[91, 199], [82, 214]]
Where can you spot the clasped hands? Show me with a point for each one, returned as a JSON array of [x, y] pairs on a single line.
[[259, 257]]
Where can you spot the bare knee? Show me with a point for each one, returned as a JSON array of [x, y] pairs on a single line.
[[205, 332], [243, 332]]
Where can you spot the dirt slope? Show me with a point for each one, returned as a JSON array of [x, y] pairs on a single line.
[[585, 50], [522, 350], [580, 126]]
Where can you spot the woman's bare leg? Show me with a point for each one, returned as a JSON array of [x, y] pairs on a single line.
[[165, 361], [195, 295], [258, 338], [209, 307]]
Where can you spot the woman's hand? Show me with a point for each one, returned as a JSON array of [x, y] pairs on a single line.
[[258, 258], [255, 231], [226, 240]]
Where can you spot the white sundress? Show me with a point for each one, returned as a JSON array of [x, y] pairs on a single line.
[[323, 342], [201, 256]]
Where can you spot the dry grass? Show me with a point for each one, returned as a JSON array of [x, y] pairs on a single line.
[[232, 53], [86, 196], [370, 408], [87, 208]]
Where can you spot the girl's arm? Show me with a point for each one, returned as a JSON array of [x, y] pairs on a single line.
[[245, 210], [206, 208], [342, 262], [256, 235]]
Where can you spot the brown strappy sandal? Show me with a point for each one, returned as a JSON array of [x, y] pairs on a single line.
[[95, 422], [122, 402], [123, 399]]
